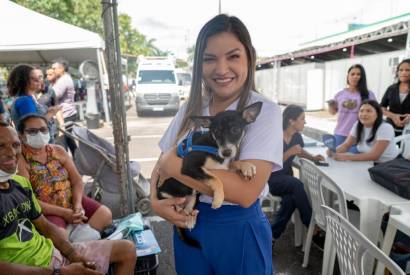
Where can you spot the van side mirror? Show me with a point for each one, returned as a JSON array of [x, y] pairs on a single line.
[[180, 82]]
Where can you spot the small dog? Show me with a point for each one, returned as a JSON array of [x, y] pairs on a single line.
[[214, 149]]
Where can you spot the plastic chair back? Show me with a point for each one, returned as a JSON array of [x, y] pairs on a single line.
[[404, 141], [352, 245], [315, 179]]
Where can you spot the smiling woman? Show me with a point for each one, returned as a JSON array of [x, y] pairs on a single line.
[[224, 67], [347, 101], [223, 79], [374, 137]]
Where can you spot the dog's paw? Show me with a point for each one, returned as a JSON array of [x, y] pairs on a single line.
[[190, 224], [217, 201], [248, 170]]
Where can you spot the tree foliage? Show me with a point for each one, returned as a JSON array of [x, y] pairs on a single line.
[[87, 14], [82, 13]]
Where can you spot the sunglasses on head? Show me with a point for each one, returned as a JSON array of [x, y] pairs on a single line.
[[35, 131]]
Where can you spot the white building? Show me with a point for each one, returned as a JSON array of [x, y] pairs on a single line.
[[317, 70]]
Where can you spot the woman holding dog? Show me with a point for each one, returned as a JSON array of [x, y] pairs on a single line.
[[235, 238], [346, 102]]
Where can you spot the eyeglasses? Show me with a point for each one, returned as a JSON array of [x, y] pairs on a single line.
[[34, 131]]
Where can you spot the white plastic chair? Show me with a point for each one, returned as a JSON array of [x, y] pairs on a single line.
[[314, 180], [399, 220], [272, 203], [404, 141], [351, 246]]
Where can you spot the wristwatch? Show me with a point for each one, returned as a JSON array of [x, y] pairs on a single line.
[[57, 271]]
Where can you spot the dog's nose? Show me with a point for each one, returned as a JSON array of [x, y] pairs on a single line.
[[227, 152]]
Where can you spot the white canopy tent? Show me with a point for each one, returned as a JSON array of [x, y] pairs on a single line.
[[30, 37]]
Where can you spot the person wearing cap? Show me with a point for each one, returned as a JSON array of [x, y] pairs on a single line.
[[55, 179]]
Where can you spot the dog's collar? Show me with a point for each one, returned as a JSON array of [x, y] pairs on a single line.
[[186, 146]]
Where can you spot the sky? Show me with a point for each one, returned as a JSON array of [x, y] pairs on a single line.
[[276, 26]]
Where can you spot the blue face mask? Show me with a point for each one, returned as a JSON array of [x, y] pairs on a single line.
[[38, 140]]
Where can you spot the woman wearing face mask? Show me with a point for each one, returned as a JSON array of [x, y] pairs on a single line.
[[374, 137], [346, 103], [55, 179]]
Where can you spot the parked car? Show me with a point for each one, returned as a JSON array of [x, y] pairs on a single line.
[[184, 83]]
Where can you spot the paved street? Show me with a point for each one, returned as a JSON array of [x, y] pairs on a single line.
[[145, 134]]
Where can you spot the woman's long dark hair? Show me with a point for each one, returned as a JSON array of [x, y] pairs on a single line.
[[19, 80], [376, 125], [291, 112], [362, 85]]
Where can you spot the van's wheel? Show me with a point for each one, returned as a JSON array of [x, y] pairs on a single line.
[[144, 206]]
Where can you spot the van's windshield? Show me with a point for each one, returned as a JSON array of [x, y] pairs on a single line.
[[156, 77]]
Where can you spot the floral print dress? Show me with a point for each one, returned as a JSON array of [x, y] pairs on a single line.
[[50, 180]]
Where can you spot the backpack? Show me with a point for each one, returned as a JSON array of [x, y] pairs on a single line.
[[393, 175]]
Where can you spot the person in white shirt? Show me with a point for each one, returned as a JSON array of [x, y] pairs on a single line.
[[235, 238], [373, 136]]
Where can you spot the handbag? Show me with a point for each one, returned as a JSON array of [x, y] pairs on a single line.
[[393, 175]]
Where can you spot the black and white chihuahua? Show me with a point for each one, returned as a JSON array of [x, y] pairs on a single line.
[[213, 149]]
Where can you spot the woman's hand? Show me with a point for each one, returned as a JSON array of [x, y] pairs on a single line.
[[329, 153], [405, 119], [396, 118], [319, 158], [80, 213], [71, 217], [166, 208], [340, 156], [76, 257]]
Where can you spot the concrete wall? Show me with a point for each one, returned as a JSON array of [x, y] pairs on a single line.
[[291, 85]]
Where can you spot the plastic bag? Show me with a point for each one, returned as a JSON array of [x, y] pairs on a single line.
[[84, 232]]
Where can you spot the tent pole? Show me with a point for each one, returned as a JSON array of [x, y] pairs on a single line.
[[115, 90], [407, 52], [103, 90]]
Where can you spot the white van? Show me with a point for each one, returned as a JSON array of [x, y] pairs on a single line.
[[156, 88], [184, 82]]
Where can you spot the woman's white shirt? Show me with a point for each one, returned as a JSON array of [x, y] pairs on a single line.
[[384, 132], [262, 141]]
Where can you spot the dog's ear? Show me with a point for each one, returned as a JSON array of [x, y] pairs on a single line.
[[202, 121], [251, 112]]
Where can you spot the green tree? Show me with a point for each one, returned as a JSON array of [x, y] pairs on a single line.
[[82, 13]]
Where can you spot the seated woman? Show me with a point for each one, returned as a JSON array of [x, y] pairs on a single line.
[[282, 183], [55, 179], [374, 137]]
